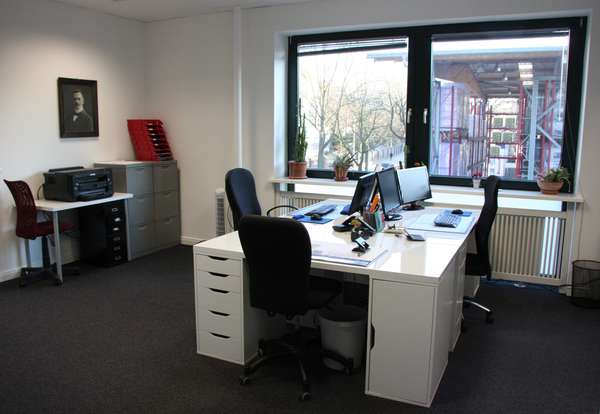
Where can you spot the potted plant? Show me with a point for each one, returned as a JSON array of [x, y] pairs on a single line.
[[297, 168], [476, 179], [552, 181], [341, 165]]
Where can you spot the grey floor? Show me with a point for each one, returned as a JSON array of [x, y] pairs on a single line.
[[122, 340]]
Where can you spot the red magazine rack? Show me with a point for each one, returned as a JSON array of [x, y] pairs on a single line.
[[149, 140]]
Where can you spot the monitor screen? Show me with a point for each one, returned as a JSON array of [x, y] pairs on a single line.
[[414, 184], [388, 189], [363, 192]]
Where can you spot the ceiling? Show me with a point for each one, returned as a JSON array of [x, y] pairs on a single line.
[[154, 10]]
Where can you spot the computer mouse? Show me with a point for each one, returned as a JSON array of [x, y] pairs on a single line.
[[457, 211], [315, 216]]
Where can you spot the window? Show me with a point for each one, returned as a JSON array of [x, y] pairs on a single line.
[[492, 98]]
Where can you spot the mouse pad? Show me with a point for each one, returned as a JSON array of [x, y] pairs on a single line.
[[307, 219]]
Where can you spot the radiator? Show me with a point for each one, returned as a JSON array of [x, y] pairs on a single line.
[[220, 212], [524, 247]]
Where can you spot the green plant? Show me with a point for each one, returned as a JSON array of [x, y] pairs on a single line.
[[344, 161], [301, 143], [554, 175]]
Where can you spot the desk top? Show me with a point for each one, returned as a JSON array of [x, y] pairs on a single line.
[[53, 205], [419, 262]]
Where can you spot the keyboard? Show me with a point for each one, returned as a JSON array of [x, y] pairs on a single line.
[[321, 210], [447, 219]]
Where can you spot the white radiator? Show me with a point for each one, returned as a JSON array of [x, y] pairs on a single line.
[[524, 246], [220, 211]]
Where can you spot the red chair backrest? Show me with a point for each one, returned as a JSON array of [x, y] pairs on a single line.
[[26, 211]]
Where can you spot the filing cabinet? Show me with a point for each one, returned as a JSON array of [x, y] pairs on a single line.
[[103, 233], [154, 211]]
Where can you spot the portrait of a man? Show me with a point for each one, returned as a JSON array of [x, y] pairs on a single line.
[[78, 107]]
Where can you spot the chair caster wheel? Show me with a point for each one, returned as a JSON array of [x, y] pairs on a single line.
[[260, 352], [489, 318], [305, 396], [244, 380], [58, 282]]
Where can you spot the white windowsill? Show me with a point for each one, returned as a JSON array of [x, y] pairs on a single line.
[[445, 189]]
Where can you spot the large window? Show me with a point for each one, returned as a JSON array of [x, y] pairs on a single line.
[[496, 98]]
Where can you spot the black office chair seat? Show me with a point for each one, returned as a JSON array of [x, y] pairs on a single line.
[[476, 265]]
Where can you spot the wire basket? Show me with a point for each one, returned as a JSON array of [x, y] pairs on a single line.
[[586, 283]]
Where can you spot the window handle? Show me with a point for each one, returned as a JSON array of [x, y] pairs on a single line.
[[425, 112], [408, 115]]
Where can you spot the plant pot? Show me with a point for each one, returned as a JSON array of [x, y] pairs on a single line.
[[297, 169], [550, 187], [476, 182], [341, 174]]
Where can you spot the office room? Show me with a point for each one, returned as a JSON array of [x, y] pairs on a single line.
[[485, 101]]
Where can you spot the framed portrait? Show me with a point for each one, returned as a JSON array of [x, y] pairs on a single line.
[[78, 108]]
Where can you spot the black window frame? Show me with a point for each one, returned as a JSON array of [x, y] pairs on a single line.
[[419, 93]]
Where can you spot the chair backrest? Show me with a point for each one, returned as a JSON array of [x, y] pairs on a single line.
[[486, 219], [26, 211], [241, 194], [278, 254]]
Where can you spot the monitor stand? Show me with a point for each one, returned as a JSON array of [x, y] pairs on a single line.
[[413, 206]]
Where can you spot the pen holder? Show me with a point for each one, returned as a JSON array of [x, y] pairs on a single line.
[[375, 220]]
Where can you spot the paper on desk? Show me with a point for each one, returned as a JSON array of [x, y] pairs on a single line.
[[425, 222], [342, 253]]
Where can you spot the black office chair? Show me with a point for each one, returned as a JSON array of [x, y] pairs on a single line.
[[479, 264], [241, 195], [278, 255]]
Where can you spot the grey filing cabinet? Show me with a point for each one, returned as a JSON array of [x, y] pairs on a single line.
[[154, 215]]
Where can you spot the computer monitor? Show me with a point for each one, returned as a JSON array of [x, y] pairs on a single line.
[[414, 186], [389, 191], [363, 192]]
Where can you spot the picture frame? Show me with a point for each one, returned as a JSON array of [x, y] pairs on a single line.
[[78, 108]]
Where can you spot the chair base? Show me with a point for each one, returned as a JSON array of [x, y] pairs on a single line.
[[295, 347], [37, 274], [489, 314]]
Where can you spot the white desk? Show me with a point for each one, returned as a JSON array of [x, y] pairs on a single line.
[[414, 315], [54, 207]]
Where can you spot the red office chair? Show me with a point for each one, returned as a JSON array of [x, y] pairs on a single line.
[[28, 228]]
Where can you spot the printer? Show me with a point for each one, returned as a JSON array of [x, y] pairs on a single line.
[[78, 184]]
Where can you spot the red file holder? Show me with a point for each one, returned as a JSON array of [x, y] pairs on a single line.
[[149, 140]]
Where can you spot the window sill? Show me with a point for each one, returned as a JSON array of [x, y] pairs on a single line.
[[445, 189]]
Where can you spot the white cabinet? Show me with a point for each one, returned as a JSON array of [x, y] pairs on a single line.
[[218, 286], [459, 286]]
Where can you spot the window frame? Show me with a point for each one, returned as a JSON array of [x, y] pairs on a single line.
[[419, 54]]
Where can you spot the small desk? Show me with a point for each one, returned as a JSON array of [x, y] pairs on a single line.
[[414, 311], [54, 207]]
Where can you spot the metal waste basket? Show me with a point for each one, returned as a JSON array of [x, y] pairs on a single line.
[[586, 284]]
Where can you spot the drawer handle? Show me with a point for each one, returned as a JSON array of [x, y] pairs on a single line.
[[218, 274], [142, 227], [117, 238], [117, 219], [117, 257], [219, 313], [116, 248], [224, 292], [220, 336], [140, 169], [116, 228], [114, 209], [218, 258]]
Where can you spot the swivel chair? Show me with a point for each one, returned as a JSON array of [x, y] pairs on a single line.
[[278, 255], [241, 195], [479, 264], [29, 228]]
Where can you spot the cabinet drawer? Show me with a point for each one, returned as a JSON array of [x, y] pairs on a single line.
[[219, 323], [166, 177], [141, 208], [139, 180], [219, 300], [220, 346], [142, 237], [168, 231], [219, 265], [219, 281], [166, 204]]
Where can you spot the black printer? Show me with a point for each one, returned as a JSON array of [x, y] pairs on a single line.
[[78, 184]]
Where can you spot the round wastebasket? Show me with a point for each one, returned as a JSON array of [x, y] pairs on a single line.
[[586, 283], [343, 330]]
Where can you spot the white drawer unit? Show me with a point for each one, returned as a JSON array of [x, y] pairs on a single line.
[[218, 286]]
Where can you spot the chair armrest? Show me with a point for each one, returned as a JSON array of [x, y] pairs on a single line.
[[280, 206]]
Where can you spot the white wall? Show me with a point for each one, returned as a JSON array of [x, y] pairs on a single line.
[[190, 87], [40, 41], [264, 58]]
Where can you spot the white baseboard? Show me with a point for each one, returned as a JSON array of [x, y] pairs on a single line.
[[9, 274], [190, 241]]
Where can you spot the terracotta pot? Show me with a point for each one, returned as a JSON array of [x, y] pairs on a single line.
[[341, 174], [550, 187], [296, 170]]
